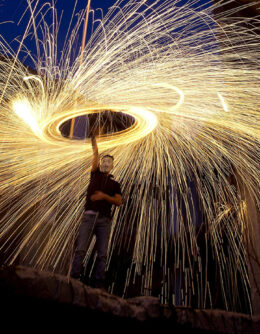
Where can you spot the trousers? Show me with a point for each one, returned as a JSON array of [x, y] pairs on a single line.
[[100, 226]]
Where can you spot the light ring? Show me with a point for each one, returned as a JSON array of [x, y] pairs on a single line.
[[169, 110], [145, 123]]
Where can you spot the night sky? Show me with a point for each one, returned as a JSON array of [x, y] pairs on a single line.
[[12, 10]]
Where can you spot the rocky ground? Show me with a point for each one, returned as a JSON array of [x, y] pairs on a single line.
[[36, 300]]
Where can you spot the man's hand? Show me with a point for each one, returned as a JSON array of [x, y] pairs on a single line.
[[100, 196], [97, 196]]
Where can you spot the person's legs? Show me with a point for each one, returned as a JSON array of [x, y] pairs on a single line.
[[82, 243], [102, 231]]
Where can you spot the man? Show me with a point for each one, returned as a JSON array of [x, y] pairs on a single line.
[[102, 193]]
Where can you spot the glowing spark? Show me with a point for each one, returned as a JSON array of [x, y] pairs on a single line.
[[177, 90], [24, 111], [33, 77], [225, 107]]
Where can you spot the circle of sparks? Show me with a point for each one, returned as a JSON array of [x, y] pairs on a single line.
[[145, 122]]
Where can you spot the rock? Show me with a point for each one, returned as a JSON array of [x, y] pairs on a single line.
[[32, 298]]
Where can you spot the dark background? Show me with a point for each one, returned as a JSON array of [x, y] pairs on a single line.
[[11, 12]]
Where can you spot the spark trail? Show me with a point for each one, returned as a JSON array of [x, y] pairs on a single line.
[[190, 79]]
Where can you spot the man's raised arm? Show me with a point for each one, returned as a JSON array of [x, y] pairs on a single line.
[[95, 154]]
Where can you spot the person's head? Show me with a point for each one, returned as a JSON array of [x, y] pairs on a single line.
[[106, 163]]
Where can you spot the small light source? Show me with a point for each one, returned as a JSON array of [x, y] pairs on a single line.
[[225, 107], [24, 110]]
